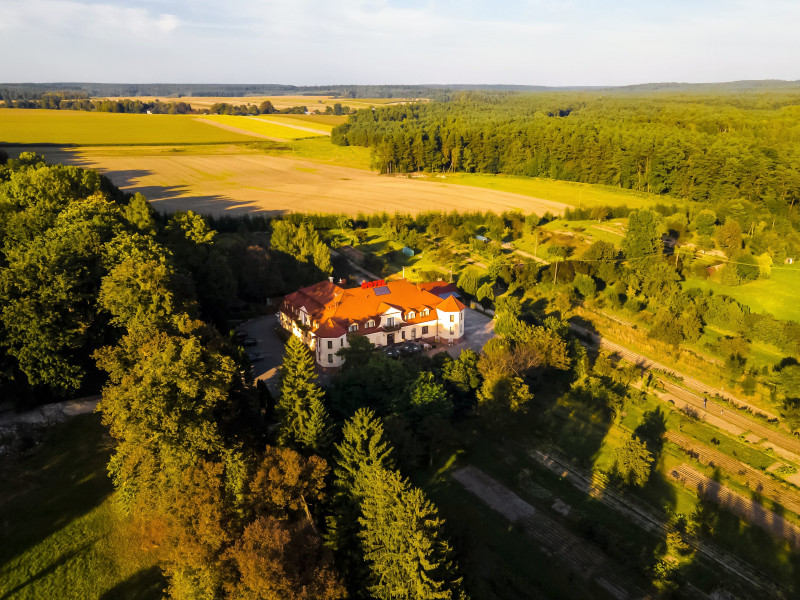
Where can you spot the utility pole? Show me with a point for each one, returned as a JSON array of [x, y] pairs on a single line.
[[536, 246], [555, 273]]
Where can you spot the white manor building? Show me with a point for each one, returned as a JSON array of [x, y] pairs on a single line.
[[387, 313]]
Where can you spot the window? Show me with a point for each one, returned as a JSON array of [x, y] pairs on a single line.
[[424, 329], [353, 327], [412, 314], [425, 312], [370, 323], [403, 335], [341, 342], [330, 358], [451, 331], [389, 321], [330, 344], [452, 318]]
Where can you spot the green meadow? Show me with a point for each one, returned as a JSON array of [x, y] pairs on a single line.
[[779, 295], [584, 195], [77, 128], [58, 526]]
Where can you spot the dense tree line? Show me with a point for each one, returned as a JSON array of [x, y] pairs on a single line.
[[699, 148]]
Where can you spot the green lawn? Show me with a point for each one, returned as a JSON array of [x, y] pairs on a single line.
[[320, 149], [260, 126], [777, 295], [75, 128], [575, 194], [58, 523]]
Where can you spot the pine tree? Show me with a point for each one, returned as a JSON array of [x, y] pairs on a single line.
[[303, 419], [401, 537]]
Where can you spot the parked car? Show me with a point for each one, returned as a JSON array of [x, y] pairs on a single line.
[[251, 341], [254, 357], [391, 352], [410, 349], [240, 336]]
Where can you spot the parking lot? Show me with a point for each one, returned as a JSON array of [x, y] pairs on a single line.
[[478, 329], [268, 347]]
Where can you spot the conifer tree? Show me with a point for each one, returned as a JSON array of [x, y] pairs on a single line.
[[303, 418], [401, 537]]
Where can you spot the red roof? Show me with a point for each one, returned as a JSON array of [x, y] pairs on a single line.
[[333, 309], [451, 304]]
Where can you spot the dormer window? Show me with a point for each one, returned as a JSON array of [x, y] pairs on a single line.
[[412, 314], [425, 312], [370, 324], [353, 327]]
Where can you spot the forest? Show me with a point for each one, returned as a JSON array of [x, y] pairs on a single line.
[[706, 148]]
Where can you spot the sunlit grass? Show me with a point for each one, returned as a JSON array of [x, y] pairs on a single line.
[[74, 128]]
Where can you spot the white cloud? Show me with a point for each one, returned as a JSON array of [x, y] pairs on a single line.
[[44, 18]]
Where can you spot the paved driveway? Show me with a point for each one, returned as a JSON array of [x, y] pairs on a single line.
[[269, 345], [478, 329]]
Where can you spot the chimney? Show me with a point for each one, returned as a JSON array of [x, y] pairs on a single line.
[[330, 279]]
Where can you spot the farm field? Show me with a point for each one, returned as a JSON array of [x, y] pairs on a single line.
[[280, 102], [76, 128], [584, 195], [270, 128], [249, 182], [776, 295], [318, 127]]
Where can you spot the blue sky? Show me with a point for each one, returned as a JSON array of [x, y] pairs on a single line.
[[311, 42]]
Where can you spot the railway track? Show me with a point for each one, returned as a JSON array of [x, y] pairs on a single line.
[[649, 520], [575, 553], [749, 510]]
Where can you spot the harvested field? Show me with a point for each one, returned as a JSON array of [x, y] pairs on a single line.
[[270, 128], [240, 183], [279, 102]]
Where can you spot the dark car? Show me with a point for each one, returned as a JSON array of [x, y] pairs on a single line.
[[240, 336], [391, 352], [410, 349], [249, 342]]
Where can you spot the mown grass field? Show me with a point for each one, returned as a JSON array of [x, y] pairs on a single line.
[[270, 128], [77, 128], [575, 194], [777, 295], [57, 520]]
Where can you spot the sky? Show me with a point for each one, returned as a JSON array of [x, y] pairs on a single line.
[[312, 42]]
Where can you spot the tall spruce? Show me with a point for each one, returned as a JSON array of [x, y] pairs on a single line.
[[403, 543], [304, 423]]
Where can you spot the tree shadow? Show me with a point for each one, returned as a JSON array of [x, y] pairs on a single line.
[[143, 585], [55, 483]]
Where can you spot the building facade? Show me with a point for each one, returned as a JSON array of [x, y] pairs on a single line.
[[386, 313]]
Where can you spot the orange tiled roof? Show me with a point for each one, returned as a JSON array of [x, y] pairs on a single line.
[[333, 309], [451, 304]]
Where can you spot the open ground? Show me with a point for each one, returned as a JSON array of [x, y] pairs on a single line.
[[280, 102], [261, 183]]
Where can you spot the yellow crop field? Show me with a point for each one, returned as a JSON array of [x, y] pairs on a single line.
[[36, 126], [317, 127], [268, 128], [280, 102]]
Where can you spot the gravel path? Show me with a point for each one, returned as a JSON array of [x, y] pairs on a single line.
[[581, 557]]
